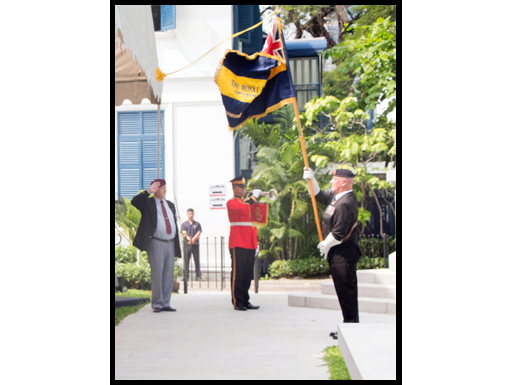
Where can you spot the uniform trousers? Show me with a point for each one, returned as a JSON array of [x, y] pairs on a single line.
[[345, 280], [161, 259], [242, 273], [195, 250]]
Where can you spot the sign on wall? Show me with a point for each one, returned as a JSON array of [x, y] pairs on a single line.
[[217, 197]]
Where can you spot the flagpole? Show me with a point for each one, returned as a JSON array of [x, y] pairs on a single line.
[[296, 111], [314, 203]]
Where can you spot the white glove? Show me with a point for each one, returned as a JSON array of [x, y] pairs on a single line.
[[308, 174], [256, 193], [257, 251], [327, 244]]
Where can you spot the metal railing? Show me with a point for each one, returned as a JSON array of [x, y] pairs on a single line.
[[215, 265], [375, 249]]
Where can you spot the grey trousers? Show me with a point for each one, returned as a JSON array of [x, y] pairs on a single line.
[[161, 259]]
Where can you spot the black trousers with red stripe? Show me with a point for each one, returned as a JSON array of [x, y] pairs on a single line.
[[242, 274]]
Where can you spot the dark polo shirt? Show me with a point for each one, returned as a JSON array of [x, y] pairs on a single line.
[[192, 229]]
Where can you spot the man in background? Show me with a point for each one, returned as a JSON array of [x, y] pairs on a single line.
[[193, 229]]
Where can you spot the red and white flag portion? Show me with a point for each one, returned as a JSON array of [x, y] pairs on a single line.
[[273, 45]]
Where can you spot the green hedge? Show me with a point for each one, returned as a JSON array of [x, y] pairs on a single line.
[[305, 267], [128, 254], [314, 267], [135, 277]]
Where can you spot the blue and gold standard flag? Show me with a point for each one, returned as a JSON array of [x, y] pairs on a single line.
[[254, 86]]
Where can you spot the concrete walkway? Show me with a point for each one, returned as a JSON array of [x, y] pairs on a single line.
[[207, 340]]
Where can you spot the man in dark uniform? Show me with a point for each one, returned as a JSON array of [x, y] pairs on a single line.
[[242, 243], [157, 235], [193, 230], [340, 247]]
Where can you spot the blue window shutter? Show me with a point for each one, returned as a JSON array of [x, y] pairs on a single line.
[[137, 142], [149, 147], [246, 16], [167, 17]]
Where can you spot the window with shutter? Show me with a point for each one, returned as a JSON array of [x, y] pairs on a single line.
[[137, 149], [167, 17], [246, 16]]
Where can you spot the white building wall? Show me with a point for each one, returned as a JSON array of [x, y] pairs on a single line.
[[199, 146]]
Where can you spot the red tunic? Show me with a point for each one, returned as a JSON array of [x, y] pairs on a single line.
[[239, 210]]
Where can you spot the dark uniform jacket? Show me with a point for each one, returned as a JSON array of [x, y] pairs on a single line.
[[338, 218], [149, 221]]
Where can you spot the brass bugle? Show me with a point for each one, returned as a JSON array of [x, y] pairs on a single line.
[[271, 194]]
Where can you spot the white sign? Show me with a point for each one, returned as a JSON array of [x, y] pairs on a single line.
[[217, 197], [217, 190]]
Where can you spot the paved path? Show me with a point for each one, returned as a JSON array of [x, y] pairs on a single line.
[[207, 340], [272, 285]]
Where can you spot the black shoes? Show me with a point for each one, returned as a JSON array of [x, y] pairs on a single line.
[[334, 335], [243, 308], [158, 310], [252, 307]]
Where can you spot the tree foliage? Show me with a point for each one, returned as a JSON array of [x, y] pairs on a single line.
[[280, 166], [314, 18], [131, 220], [372, 57], [291, 231], [346, 141]]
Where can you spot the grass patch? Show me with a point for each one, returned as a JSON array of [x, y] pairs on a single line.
[[337, 368], [123, 312]]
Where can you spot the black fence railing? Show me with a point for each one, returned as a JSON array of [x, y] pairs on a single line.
[[387, 204], [215, 262], [375, 250], [214, 265]]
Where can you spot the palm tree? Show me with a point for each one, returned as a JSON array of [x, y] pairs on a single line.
[[280, 164], [131, 221]]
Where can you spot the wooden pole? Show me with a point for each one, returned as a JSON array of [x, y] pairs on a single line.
[[314, 203], [158, 145]]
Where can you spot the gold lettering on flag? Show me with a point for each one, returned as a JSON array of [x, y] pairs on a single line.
[[239, 87]]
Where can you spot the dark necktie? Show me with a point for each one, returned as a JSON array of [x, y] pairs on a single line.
[[167, 221]]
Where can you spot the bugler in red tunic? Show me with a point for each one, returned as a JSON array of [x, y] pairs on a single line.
[[239, 211]]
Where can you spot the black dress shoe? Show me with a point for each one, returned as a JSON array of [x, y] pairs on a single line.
[[241, 308], [334, 335], [168, 309], [156, 310], [250, 306]]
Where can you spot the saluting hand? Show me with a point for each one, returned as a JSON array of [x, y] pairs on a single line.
[[154, 187]]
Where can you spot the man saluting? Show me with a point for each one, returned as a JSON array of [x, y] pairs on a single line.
[[157, 235], [242, 243]]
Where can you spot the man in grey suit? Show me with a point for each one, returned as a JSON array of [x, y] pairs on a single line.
[[157, 234], [340, 247]]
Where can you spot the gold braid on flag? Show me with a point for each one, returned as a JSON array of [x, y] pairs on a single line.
[[160, 76]]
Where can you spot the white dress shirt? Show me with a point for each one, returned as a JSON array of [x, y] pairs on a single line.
[[161, 226], [338, 196]]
